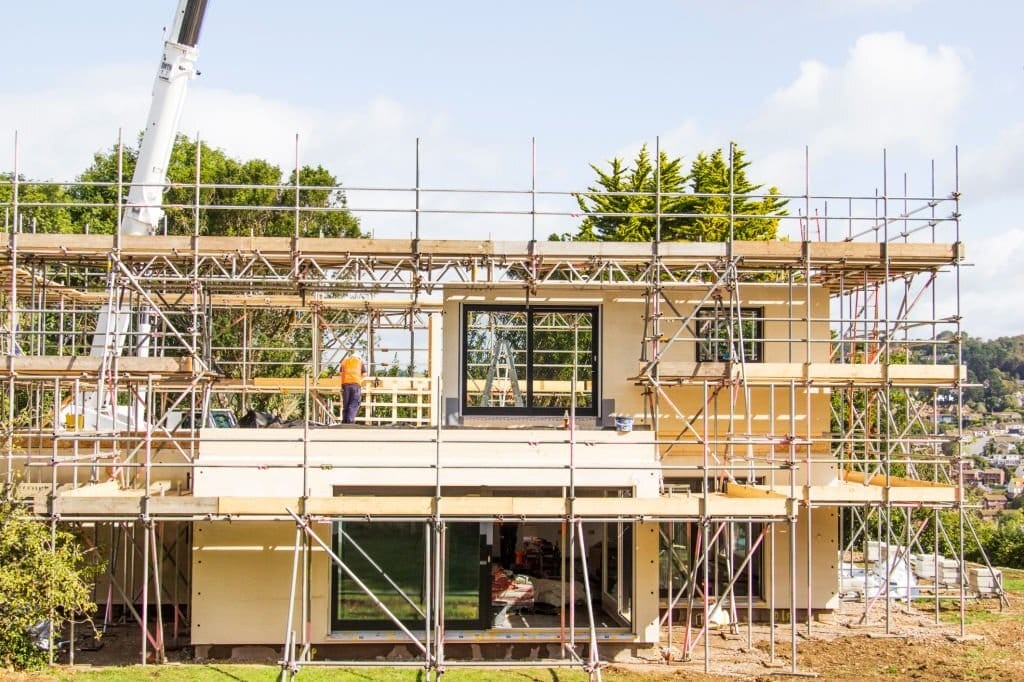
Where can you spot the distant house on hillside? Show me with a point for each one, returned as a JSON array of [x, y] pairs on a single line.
[[992, 476], [1015, 486], [1005, 444], [1011, 459], [994, 501]]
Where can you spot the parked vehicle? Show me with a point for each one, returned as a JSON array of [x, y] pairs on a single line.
[[216, 419]]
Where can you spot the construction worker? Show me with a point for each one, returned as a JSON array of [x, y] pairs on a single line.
[[353, 371]]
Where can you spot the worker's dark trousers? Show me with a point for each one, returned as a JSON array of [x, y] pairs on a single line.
[[351, 394]]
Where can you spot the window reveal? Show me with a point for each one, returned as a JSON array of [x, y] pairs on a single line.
[[538, 360]]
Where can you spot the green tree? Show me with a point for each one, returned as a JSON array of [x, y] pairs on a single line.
[[622, 205], [262, 200], [695, 205], [1005, 545], [42, 578], [755, 218], [43, 206], [262, 197]]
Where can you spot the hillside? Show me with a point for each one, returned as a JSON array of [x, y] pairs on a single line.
[[995, 365]]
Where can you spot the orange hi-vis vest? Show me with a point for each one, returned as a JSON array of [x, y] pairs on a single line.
[[351, 370]]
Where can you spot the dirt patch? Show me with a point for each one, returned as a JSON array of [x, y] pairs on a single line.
[[854, 647], [847, 647]]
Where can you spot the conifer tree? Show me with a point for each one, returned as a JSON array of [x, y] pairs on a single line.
[[624, 202]]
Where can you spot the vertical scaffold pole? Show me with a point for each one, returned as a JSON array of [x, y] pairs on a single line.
[[160, 652], [808, 357], [791, 456], [307, 555], [298, 183], [144, 620], [12, 315], [435, 659], [287, 651], [655, 295], [771, 543], [959, 390], [886, 450], [706, 525]]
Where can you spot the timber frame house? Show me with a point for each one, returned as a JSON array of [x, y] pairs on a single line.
[[648, 439]]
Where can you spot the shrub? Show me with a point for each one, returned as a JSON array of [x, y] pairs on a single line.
[[43, 577]]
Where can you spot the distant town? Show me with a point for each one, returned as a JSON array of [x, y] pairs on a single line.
[[992, 417], [992, 450]]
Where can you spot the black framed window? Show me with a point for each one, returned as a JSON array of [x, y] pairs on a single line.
[[390, 559], [731, 546], [722, 336], [536, 360]]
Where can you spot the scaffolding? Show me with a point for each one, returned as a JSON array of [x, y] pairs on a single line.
[[813, 410]]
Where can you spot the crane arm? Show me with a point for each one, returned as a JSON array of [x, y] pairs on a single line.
[[143, 213]]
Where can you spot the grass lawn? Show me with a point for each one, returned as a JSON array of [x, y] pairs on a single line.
[[1013, 579]]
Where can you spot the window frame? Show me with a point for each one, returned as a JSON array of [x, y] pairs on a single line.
[[709, 313], [757, 566], [481, 622], [530, 310]]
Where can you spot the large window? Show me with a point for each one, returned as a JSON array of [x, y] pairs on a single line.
[[537, 360], [730, 549], [390, 559], [722, 336]]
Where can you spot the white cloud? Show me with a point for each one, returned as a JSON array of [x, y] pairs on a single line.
[[372, 145], [995, 170], [989, 299], [59, 128], [890, 92]]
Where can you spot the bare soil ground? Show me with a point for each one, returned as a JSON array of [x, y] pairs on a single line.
[[913, 647]]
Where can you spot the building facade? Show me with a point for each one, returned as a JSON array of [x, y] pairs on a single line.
[[566, 447]]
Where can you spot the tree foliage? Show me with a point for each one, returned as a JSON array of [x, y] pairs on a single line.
[[238, 197], [993, 367], [1005, 543], [263, 197], [42, 578], [43, 206], [710, 181], [244, 197], [1000, 540], [695, 206], [996, 365]]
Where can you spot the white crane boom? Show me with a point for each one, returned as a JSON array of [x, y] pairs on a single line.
[[143, 213]]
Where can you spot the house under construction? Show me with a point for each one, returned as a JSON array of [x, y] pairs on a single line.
[[566, 451]]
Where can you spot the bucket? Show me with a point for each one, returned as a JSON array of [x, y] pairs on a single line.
[[623, 424]]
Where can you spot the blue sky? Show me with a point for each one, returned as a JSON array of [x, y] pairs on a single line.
[[359, 82]]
